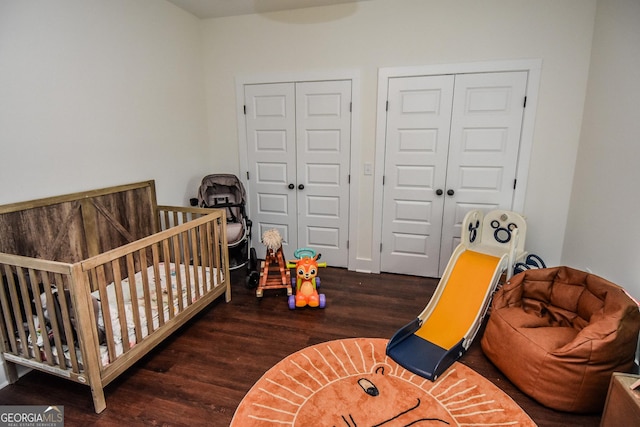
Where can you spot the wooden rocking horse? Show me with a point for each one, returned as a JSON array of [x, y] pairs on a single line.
[[274, 273]]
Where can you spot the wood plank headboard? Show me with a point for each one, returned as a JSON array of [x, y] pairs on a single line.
[[73, 227]]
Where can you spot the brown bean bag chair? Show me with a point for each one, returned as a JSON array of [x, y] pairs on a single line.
[[558, 334]]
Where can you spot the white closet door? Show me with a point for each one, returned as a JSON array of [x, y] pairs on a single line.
[[452, 145], [483, 151], [299, 143], [417, 138], [271, 151], [323, 125]]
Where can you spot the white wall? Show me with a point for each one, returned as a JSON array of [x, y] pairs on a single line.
[[391, 33], [99, 93], [603, 233]]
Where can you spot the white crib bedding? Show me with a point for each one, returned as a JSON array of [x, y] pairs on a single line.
[[128, 306], [154, 299]]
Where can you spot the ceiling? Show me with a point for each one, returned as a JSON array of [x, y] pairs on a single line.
[[204, 9]]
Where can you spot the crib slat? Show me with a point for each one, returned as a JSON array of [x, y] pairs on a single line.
[[179, 283], [158, 288], [205, 261], [11, 323], [210, 251], [184, 247], [106, 312], [4, 330], [203, 257], [168, 282], [65, 307], [215, 245], [122, 316], [211, 262], [131, 275], [133, 292], [42, 321], [195, 255], [5, 325], [146, 286], [53, 319]]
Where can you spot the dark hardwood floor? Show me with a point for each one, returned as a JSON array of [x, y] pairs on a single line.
[[200, 375]]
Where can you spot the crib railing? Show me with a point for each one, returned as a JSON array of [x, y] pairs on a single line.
[[129, 279], [37, 324]]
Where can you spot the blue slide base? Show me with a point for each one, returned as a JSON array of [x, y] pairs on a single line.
[[419, 355]]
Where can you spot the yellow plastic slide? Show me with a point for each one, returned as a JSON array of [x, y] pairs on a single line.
[[462, 299], [443, 331]]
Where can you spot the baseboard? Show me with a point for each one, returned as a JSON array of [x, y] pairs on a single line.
[[3, 374], [362, 265], [4, 378]]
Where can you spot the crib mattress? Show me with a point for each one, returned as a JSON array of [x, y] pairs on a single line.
[[156, 301]]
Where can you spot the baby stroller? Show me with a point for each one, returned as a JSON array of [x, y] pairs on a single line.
[[225, 191]]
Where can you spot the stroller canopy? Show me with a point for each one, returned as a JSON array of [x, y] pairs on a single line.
[[221, 184]]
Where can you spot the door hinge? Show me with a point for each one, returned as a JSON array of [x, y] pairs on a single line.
[[244, 107], [383, 179], [351, 107], [380, 246], [515, 181], [525, 102], [347, 244], [387, 106], [247, 175], [349, 179]]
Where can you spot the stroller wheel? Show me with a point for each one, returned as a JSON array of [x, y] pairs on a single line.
[[252, 280]]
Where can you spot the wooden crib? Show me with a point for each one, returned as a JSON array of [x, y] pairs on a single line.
[[93, 281]]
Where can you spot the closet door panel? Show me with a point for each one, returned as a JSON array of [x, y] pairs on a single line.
[[270, 124], [323, 128], [417, 135], [483, 150]]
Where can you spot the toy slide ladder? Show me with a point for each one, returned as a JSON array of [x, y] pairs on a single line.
[[445, 329]]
